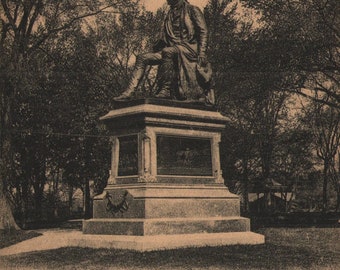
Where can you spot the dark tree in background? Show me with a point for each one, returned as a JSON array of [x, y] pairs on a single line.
[[26, 27], [263, 63], [324, 123], [307, 34]]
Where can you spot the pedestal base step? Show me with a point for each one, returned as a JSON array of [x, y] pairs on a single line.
[[167, 226], [163, 242]]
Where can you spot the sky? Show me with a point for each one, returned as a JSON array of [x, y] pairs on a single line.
[[153, 5]]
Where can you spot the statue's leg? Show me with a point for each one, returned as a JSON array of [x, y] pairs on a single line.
[[142, 61], [167, 73]]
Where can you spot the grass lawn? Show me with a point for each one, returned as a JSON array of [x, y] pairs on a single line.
[[285, 248], [8, 239]]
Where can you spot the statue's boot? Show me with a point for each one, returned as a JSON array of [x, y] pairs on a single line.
[[163, 93], [137, 75], [165, 90], [166, 78]]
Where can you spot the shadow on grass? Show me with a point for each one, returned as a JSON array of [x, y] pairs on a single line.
[[10, 238], [267, 256], [291, 249]]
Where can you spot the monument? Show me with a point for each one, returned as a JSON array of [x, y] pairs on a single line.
[[166, 188]]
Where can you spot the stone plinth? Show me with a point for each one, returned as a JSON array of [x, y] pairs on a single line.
[[166, 179]]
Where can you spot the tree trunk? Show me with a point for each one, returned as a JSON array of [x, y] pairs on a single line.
[[338, 199], [87, 200], [325, 185], [55, 196], [245, 185], [7, 221], [338, 187], [38, 198], [70, 199]]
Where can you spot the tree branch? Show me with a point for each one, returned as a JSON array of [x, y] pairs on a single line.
[[34, 17], [320, 101], [63, 27], [4, 30], [8, 14]]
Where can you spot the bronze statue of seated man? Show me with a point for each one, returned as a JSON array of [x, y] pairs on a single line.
[[183, 70]]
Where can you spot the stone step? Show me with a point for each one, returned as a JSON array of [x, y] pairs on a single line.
[[163, 242], [166, 226]]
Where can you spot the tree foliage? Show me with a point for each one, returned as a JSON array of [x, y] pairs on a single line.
[[260, 65], [324, 123], [308, 42], [29, 31]]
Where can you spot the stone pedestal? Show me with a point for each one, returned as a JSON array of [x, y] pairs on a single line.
[[166, 180]]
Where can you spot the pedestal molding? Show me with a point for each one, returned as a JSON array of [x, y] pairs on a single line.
[[165, 111]]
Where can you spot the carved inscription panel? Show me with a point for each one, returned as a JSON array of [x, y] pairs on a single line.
[[183, 156]]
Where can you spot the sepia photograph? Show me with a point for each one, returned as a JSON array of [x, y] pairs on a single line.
[[170, 134]]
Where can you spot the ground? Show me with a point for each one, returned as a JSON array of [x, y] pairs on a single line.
[[285, 248], [13, 237]]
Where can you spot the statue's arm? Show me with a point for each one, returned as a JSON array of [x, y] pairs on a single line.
[[159, 45], [202, 29]]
